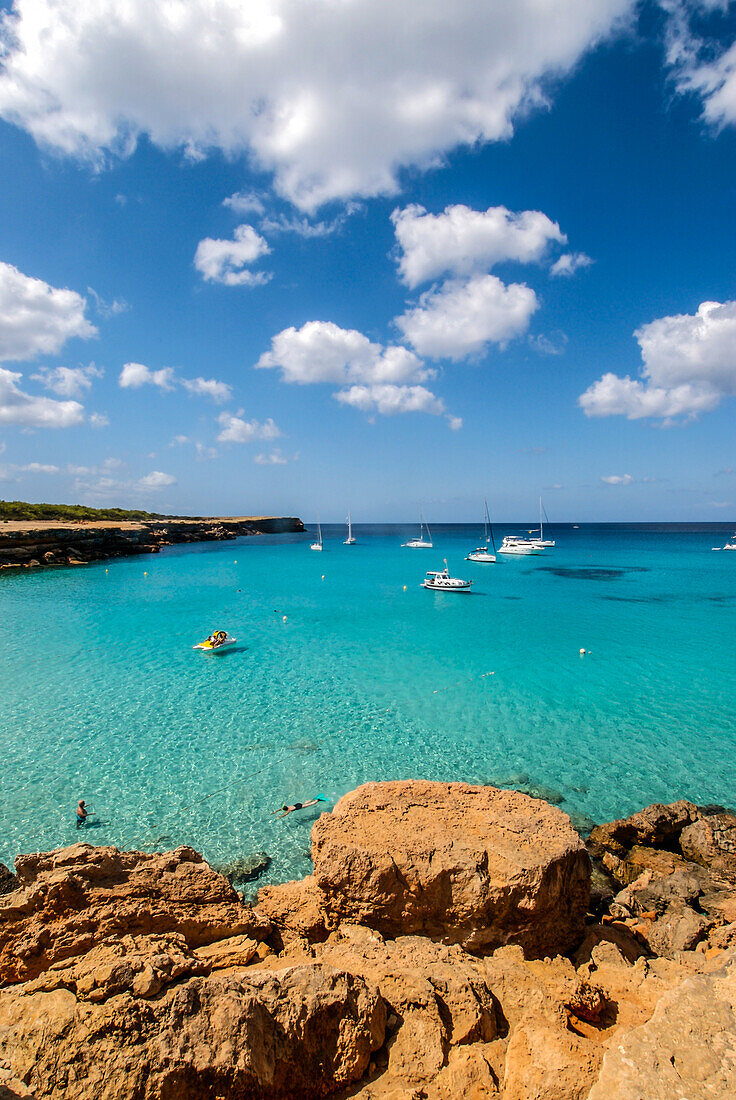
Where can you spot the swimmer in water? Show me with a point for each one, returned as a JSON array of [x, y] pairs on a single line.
[[285, 810], [81, 813]]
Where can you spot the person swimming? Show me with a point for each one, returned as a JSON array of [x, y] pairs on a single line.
[[81, 813], [283, 811]]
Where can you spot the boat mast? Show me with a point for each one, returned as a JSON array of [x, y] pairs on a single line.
[[490, 526]]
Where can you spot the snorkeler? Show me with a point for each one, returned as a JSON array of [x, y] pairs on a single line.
[[81, 813], [283, 811]]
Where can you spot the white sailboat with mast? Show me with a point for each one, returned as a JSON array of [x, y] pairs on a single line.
[[482, 553], [318, 545], [420, 542], [350, 540], [541, 541]]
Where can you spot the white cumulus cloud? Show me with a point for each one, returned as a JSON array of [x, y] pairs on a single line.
[[68, 381], [237, 430], [333, 98], [689, 366], [462, 317], [135, 375], [156, 480], [388, 399], [35, 318], [618, 479], [703, 66], [463, 241], [224, 261], [219, 392], [569, 263], [271, 458], [321, 351], [27, 411]]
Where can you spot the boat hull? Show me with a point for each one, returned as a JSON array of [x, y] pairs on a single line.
[[482, 558]]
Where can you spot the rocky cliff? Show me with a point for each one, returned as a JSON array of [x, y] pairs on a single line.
[[131, 975], [31, 545]]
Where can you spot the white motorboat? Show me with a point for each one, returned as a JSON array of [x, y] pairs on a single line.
[[482, 553], [421, 542], [350, 540], [729, 545], [318, 545], [514, 544], [443, 582], [216, 642]]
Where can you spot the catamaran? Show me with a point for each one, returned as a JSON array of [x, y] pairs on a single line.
[[350, 540], [441, 581], [318, 545], [420, 542], [482, 553]]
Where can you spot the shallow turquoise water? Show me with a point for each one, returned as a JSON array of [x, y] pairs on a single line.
[[106, 699]]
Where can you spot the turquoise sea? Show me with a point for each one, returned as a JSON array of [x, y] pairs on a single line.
[[346, 671]]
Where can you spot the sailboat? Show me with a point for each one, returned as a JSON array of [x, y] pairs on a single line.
[[482, 553], [420, 542], [350, 540], [318, 545], [541, 541]]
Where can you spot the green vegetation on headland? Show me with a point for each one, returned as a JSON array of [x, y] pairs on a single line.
[[20, 510]]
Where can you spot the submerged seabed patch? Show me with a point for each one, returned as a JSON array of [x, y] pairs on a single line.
[[591, 573]]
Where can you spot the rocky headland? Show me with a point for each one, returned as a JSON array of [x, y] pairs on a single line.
[[452, 941], [33, 544]]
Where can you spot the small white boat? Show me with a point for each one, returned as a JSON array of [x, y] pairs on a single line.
[[216, 642], [350, 540], [420, 542], [541, 541], [443, 582], [729, 545], [514, 544], [318, 545], [482, 553]]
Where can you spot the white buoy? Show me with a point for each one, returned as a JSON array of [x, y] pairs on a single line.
[[582, 652], [323, 576], [145, 574], [405, 588], [283, 619]]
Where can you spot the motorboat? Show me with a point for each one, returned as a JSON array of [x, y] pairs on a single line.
[[421, 542], [482, 553], [442, 582], [729, 545], [318, 545], [514, 544], [350, 540], [217, 641]]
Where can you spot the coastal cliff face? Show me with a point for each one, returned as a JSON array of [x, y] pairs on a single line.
[[131, 975], [39, 544]]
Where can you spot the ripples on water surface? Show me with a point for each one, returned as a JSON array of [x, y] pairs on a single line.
[[107, 700]]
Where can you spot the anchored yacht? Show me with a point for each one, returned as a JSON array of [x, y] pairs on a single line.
[[421, 542], [482, 553], [318, 545], [443, 582]]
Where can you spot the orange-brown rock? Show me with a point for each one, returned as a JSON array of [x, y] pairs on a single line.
[[655, 826], [472, 865], [72, 899], [304, 1032], [711, 842]]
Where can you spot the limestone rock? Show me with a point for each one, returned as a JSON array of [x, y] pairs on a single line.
[[686, 1051], [72, 899], [245, 869], [304, 1032], [8, 881], [654, 826], [295, 909], [472, 865], [711, 841]]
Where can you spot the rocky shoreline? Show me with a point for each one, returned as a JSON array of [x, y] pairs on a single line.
[[50, 543], [452, 941]]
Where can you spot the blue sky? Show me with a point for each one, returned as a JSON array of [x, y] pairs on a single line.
[[293, 256]]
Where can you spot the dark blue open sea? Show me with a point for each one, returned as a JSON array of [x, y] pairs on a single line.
[[367, 677]]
